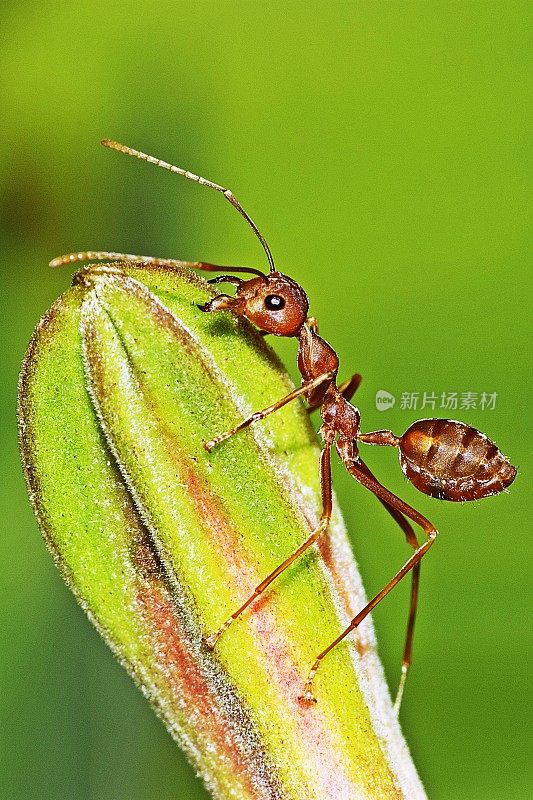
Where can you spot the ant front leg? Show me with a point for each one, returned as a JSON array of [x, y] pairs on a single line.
[[363, 475], [306, 387], [172, 263], [328, 436]]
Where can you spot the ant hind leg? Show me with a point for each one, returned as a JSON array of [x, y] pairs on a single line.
[[410, 536], [363, 475]]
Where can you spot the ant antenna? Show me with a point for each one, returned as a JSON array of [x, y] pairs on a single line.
[[129, 151]]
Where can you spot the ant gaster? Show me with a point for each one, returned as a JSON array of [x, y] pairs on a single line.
[[442, 458]]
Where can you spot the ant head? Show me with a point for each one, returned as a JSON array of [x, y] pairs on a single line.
[[273, 302]]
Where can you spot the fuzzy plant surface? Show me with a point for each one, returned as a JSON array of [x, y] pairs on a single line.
[[160, 541]]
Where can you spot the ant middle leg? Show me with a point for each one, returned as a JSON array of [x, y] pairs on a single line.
[[326, 490], [368, 481]]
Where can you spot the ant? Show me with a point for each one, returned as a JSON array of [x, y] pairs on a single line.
[[443, 458]]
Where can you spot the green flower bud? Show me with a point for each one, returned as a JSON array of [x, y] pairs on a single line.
[[123, 382]]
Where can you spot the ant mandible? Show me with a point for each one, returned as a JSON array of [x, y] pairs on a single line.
[[442, 458]]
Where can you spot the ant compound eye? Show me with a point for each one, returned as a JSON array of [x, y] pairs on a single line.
[[274, 302]]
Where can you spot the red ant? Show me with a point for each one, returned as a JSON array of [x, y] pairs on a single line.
[[442, 458]]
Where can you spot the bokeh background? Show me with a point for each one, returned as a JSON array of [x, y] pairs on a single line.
[[382, 148]]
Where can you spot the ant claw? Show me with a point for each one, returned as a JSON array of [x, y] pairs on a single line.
[[210, 641], [307, 697]]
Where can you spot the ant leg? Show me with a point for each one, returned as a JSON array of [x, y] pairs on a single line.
[[359, 473], [410, 536], [226, 279], [103, 255], [385, 438], [308, 386], [348, 388], [106, 255], [325, 483]]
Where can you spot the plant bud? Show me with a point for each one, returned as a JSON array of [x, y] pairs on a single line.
[[123, 382]]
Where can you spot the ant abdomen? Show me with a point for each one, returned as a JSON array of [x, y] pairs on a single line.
[[453, 461]]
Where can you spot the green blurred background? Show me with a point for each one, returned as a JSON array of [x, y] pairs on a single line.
[[381, 147]]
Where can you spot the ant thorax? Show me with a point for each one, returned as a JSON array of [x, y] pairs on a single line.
[[315, 356]]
